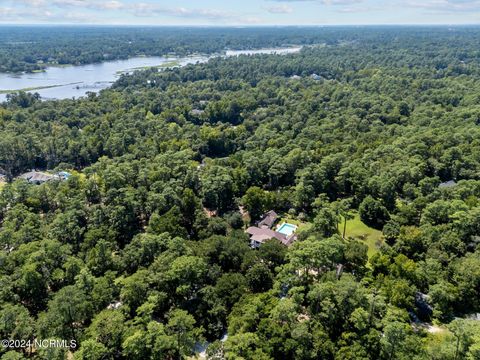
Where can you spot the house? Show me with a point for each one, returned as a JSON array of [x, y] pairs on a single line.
[[36, 177], [316, 77], [197, 112], [268, 220], [263, 231], [260, 235], [448, 184]]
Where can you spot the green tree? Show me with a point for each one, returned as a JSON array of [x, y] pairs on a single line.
[[257, 202], [373, 213]]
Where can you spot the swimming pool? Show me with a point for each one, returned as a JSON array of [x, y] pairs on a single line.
[[287, 229]]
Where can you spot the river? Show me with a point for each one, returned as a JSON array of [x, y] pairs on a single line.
[[65, 82]]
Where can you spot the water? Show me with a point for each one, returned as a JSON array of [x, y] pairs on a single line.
[[287, 229], [76, 81]]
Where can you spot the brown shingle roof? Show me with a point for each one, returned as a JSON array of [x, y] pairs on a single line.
[[264, 234], [35, 176], [268, 219]]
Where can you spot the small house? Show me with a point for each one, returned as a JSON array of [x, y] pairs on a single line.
[[197, 112], [36, 177], [447, 184]]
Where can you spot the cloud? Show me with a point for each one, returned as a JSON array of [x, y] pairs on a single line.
[[41, 15], [71, 10], [34, 3], [149, 10], [86, 4], [280, 9], [446, 5], [341, 2]]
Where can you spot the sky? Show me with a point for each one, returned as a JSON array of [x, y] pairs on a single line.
[[244, 12]]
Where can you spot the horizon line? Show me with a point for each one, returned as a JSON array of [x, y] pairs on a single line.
[[242, 25]]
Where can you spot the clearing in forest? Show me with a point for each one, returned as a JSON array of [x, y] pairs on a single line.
[[358, 230]]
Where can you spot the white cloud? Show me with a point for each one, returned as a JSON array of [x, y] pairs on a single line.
[[446, 5], [138, 9], [88, 4], [341, 2], [149, 9], [279, 9]]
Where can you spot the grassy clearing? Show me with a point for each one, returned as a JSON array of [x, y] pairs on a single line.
[[358, 230]]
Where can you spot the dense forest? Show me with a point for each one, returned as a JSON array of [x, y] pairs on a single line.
[[33, 48], [142, 252]]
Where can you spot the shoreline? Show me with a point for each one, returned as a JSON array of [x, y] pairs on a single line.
[[36, 88]]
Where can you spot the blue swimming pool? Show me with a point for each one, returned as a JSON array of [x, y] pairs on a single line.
[[287, 229]]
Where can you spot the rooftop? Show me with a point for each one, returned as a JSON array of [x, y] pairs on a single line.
[[268, 219], [36, 176], [262, 235]]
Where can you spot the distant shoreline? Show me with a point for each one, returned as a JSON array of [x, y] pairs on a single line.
[[36, 88]]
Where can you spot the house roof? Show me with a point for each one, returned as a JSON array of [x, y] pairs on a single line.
[[447, 184], [268, 219], [36, 176], [197, 112], [263, 234], [289, 240]]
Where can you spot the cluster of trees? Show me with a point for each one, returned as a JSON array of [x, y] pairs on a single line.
[[142, 254]]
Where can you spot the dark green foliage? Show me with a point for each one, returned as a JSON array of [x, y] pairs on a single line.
[[142, 252], [373, 213]]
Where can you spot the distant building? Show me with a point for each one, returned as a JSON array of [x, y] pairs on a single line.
[[316, 77], [448, 184], [36, 177], [196, 112], [295, 77]]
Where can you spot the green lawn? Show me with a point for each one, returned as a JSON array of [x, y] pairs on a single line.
[[358, 230], [289, 220]]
